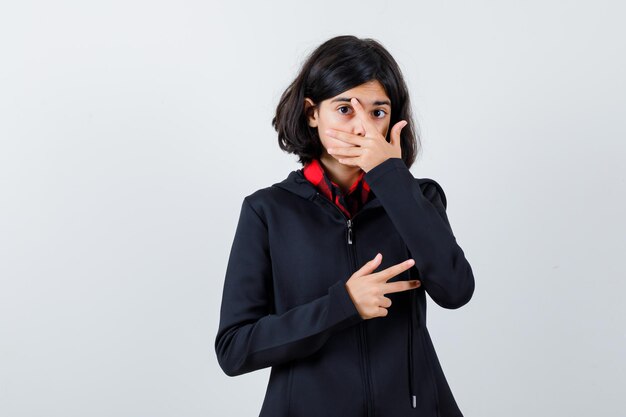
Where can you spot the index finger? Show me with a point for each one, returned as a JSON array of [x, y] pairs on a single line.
[[394, 270], [361, 114]]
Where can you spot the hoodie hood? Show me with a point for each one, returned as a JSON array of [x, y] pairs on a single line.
[[299, 185]]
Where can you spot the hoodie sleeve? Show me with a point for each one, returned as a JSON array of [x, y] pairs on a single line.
[[250, 335], [420, 218]]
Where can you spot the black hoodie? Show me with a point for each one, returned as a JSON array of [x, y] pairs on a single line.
[[285, 304]]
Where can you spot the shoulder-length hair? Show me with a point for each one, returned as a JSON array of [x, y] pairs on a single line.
[[337, 65]]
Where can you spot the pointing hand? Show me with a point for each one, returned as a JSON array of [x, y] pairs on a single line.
[[367, 289]]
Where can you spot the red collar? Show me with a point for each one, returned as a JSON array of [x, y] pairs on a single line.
[[358, 194]]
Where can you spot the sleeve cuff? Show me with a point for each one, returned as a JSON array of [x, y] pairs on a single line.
[[384, 167], [339, 293]]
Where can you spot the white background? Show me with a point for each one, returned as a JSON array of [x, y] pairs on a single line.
[[130, 131]]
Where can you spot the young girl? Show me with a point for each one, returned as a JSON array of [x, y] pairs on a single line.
[[329, 268]]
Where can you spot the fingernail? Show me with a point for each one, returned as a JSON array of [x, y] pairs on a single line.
[[410, 261]]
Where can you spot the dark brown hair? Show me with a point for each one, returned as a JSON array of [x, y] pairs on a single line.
[[337, 65]]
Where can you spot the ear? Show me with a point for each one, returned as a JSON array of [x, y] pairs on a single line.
[[310, 111]]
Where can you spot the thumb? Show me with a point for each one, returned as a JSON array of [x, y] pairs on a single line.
[[370, 266], [395, 132]]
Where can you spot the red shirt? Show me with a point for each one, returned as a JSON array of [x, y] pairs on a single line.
[[358, 194]]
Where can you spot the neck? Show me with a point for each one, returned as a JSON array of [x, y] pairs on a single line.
[[343, 175]]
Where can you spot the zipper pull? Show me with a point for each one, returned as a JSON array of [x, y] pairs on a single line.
[[350, 231]]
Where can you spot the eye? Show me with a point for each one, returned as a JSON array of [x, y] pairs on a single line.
[[383, 111], [343, 107]]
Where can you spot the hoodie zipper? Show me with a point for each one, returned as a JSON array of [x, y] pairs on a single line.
[[362, 335]]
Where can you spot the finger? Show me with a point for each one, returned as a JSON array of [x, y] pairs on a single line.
[[395, 132], [370, 266], [384, 302], [346, 151], [362, 115], [398, 286], [394, 270], [347, 137], [354, 161]]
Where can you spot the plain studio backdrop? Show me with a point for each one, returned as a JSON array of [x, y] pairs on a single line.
[[131, 131]]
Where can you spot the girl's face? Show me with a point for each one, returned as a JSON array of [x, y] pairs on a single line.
[[337, 113]]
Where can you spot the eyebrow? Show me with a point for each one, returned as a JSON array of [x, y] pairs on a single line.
[[374, 103]]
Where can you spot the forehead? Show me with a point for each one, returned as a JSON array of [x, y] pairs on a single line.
[[370, 93]]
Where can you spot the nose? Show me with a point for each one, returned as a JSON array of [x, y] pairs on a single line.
[[358, 128]]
